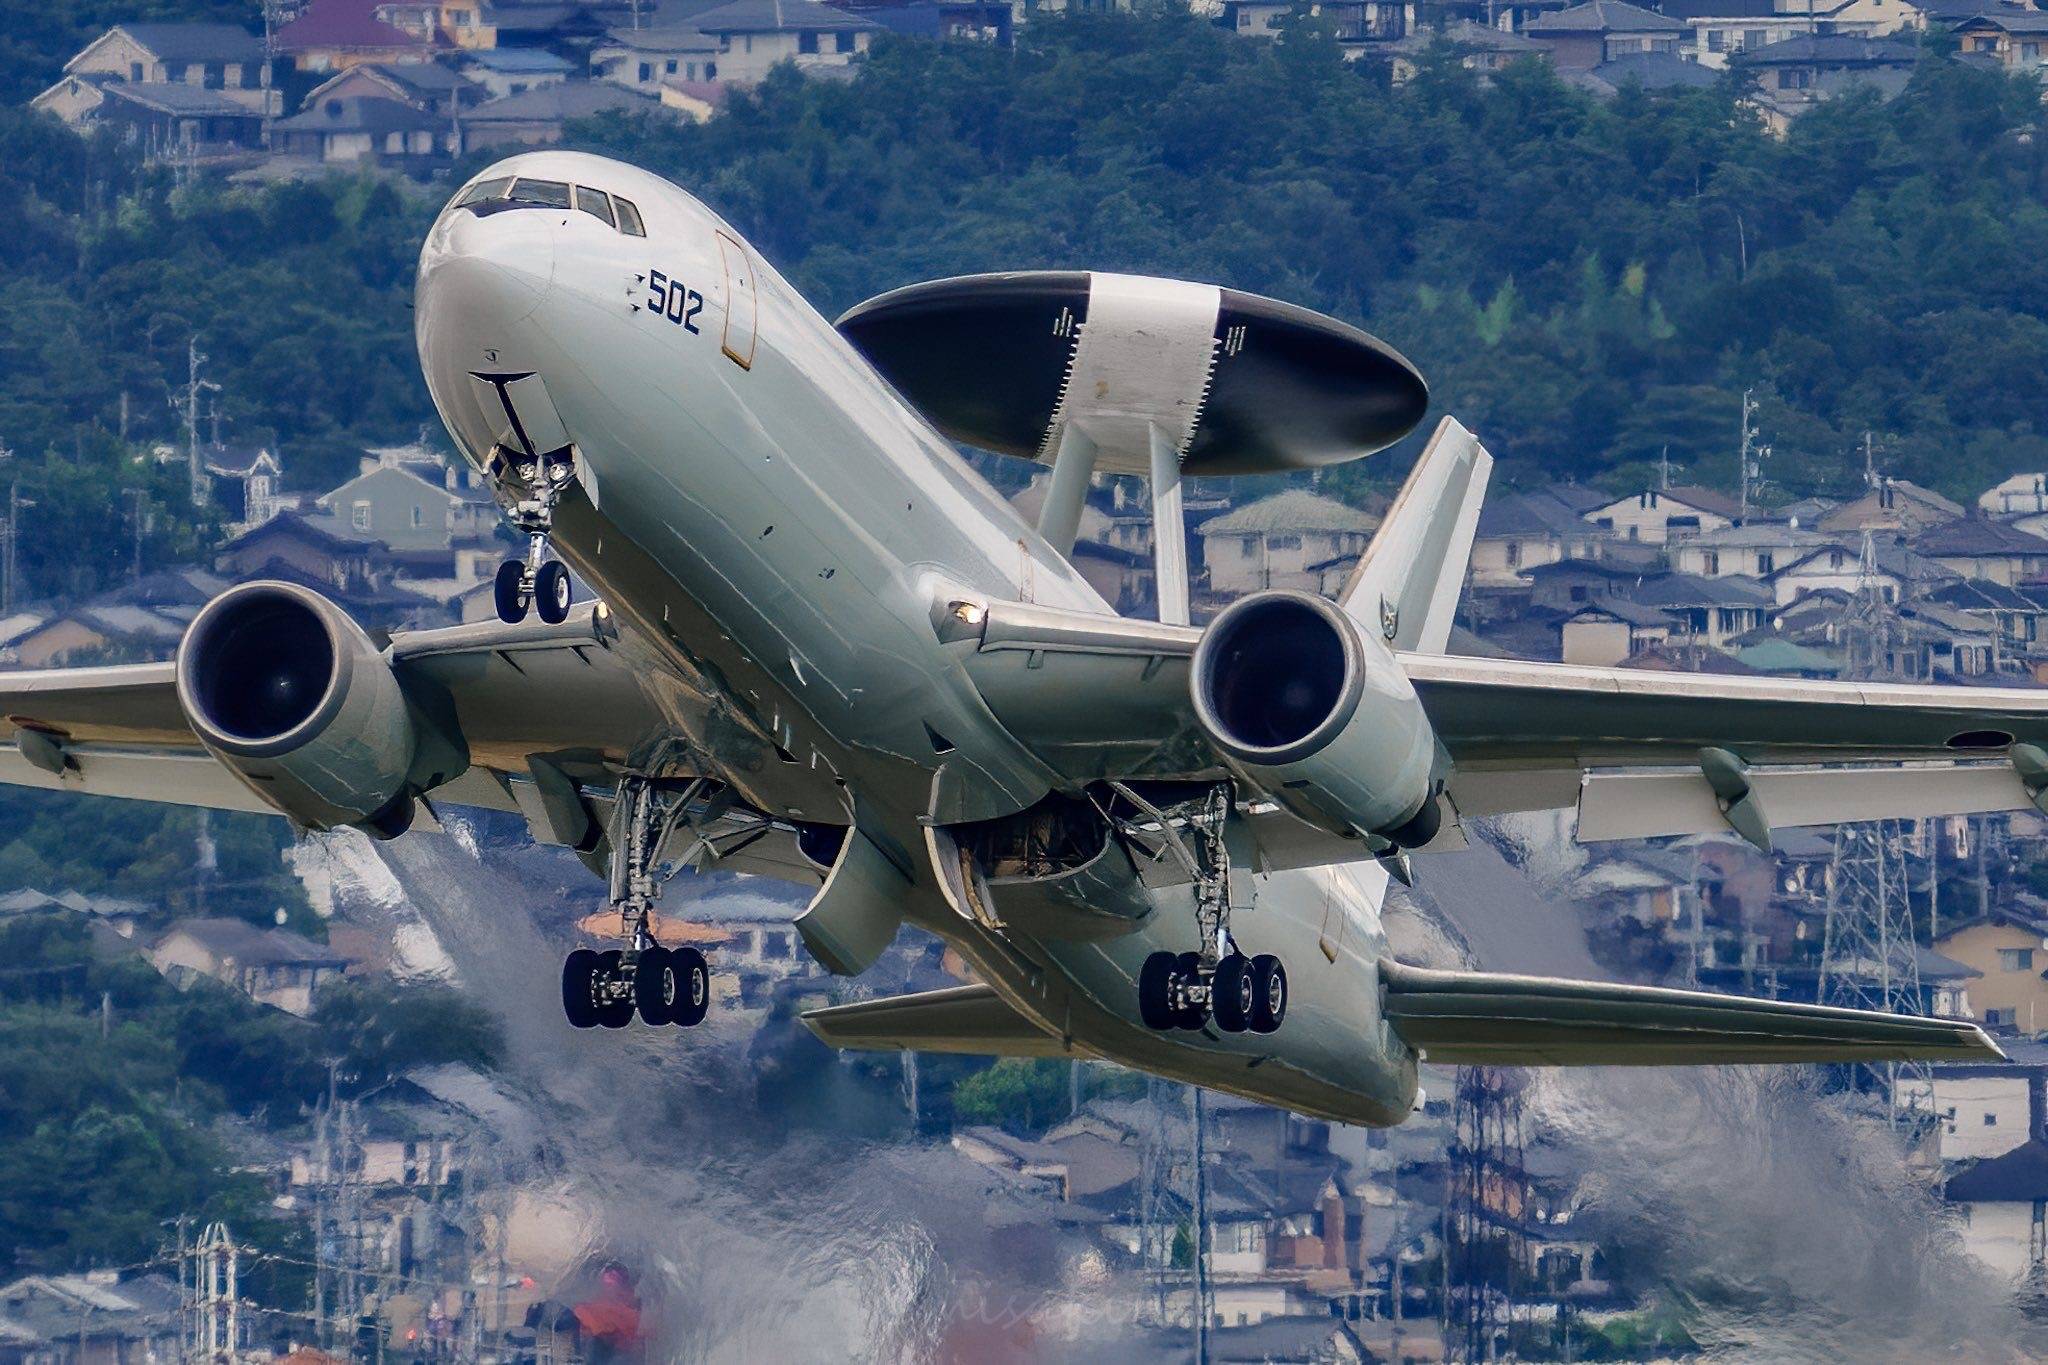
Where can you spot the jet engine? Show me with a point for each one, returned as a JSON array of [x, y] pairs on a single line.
[[1319, 715], [297, 701]]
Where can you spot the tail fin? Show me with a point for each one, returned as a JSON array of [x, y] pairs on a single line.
[[1407, 584]]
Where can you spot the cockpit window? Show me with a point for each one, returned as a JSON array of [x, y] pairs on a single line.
[[485, 189], [629, 218], [551, 194], [596, 203]]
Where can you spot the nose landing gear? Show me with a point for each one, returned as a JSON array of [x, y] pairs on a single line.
[[536, 580], [661, 985]]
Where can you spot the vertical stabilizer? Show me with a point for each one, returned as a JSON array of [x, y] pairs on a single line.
[[1407, 583]]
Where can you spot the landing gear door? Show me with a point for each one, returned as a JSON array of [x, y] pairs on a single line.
[[741, 305]]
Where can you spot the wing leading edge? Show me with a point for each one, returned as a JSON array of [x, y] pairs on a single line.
[[1490, 1019]]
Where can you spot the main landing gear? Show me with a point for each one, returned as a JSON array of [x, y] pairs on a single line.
[[1188, 990], [662, 985], [536, 580]]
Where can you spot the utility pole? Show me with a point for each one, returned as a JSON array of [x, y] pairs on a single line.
[[1753, 455], [1664, 469], [1201, 1247], [188, 409], [11, 532], [138, 505]]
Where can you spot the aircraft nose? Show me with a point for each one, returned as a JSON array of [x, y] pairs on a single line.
[[482, 276]]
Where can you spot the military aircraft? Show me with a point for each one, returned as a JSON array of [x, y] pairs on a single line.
[[826, 650]]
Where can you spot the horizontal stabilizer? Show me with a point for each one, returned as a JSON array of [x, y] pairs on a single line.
[[970, 1019], [1486, 1019]]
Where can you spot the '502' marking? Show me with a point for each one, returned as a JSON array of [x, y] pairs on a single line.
[[667, 298]]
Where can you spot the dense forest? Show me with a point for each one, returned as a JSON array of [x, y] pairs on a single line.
[[1588, 284]]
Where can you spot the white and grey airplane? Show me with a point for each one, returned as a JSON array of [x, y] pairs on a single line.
[[826, 650]]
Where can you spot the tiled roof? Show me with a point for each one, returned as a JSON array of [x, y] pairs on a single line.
[[1653, 71], [1974, 536], [248, 945], [2018, 1177], [552, 103], [197, 42], [360, 114], [1832, 49], [1294, 510], [777, 16], [1689, 590], [349, 24], [1605, 16], [177, 98], [1532, 514]]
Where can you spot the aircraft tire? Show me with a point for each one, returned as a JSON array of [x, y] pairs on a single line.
[[511, 601], [655, 986], [552, 592], [1192, 1016], [693, 987], [1155, 982], [1269, 993], [613, 1013], [579, 998], [1231, 994]]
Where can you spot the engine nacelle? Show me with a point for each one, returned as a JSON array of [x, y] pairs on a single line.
[[294, 698], [1319, 715]]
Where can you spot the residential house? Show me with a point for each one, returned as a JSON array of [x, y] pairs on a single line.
[[2010, 949], [756, 35], [1977, 547], [2004, 1205], [1586, 35], [247, 483], [100, 632], [271, 966], [1719, 29], [1651, 71], [1480, 47], [515, 70], [332, 35], [1273, 542], [1519, 532], [223, 58], [1569, 584], [1612, 630], [2014, 39], [1753, 550], [352, 129], [1832, 566], [1657, 516], [184, 120], [985, 21], [535, 118], [1710, 611], [468, 24], [1945, 642], [571, 26], [427, 86], [2017, 496], [646, 59], [94, 1318], [398, 504], [2017, 614], [1794, 74], [1894, 505], [1984, 1109]]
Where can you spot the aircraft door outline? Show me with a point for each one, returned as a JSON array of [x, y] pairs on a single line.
[[742, 303]]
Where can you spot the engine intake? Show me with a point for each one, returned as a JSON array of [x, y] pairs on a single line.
[[1319, 715], [296, 700]]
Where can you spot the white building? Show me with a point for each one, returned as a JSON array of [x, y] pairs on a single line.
[[1276, 542], [1657, 516], [755, 35]]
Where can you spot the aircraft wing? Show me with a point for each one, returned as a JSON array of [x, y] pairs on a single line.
[[1489, 1019], [1624, 747], [970, 1019], [539, 706]]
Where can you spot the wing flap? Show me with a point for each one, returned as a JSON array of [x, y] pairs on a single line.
[[1491, 1019], [1652, 804], [970, 1019]]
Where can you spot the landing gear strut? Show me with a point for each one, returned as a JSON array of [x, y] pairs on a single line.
[[662, 985], [536, 580], [1188, 990]]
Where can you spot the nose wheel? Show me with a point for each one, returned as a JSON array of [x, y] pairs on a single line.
[[536, 581]]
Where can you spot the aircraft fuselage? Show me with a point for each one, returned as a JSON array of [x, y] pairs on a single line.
[[773, 526]]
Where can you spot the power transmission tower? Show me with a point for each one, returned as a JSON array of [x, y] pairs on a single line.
[[1867, 951], [1157, 1218], [218, 1323], [1486, 1209]]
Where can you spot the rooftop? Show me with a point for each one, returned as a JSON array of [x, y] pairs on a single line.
[[777, 16], [1832, 49], [553, 103], [360, 114], [175, 97], [251, 945], [2020, 1176], [1653, 71], [1532, 514], [1297, 509], [1605, 16], [351, 25], [519, 61], [196, 42]]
